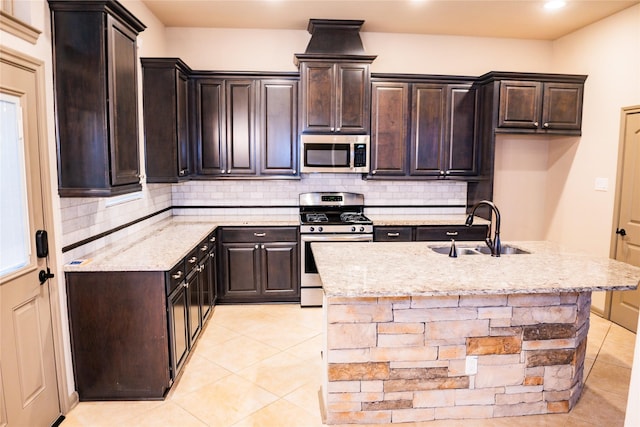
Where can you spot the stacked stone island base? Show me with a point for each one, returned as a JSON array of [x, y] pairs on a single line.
[[411, 359]]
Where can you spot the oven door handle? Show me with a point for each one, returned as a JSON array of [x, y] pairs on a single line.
[[338, 238]]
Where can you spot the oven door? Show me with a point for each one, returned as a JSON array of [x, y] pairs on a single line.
[[311, 286]]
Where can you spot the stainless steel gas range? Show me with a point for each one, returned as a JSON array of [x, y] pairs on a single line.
[[328, 217]]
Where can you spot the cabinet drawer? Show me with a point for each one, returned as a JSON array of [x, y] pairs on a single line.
[[205, 246], [175, 276], [392, 234], [448, 232], [260, 234]]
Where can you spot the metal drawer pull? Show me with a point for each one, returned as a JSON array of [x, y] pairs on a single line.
[[393, 234], [452, 233], [204, 248], [259, 234], [192, 260], [177, 275]]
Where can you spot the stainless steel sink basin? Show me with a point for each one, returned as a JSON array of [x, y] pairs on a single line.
[[477, 250]]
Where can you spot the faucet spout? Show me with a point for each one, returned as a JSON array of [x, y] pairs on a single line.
[[493, 244]]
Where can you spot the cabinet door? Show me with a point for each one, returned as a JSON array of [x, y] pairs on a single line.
[[562, 106], [240, 271], [193, 296], [279, 127], [178, 304], [240, 112], [123, 101], [207, 284], [389, 112], [182, 124], [520, 103], [427, 129], [318, 96], [210, 128], [280, 274], [352, 98], [462, 146]]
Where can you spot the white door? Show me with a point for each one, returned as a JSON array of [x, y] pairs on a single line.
[[625, 304], [29, 390]]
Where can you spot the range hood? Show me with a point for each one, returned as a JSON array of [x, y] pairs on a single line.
[[334, 38]]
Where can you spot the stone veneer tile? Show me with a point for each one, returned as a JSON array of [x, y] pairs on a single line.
[[434, 302], [358, 371], [528, 380], [422, 373], [356, 335], [558, 407], [375, 386], [400, 340], [495, 312], [558, 377], [493, 345], [434, 314], [434, 399], [515, 398], [483, 396], [548, 331], [419, 384], [498, 331], [520, 409], [549, 344], [344, 406], [347, 356], [456, 328], [413, 415], [483, 300], [421, 364], [380, 354], [549, 357], [452, 352], [464, 412], [387, 404], [400, 328], [534, 300], [500, 359], [500, 375], [359, 313], [534, 315]]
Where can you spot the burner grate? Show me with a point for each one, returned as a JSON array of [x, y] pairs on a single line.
[[316, 217]]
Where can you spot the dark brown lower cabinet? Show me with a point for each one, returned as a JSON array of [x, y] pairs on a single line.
[[432, 233], [119, 339], [259, 265]]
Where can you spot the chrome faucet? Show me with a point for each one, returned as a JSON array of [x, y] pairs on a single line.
[[494, 244]]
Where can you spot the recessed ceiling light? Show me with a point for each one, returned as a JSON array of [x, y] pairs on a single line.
[[555, 4]]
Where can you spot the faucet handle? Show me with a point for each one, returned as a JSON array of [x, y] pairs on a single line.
[[453, 253]]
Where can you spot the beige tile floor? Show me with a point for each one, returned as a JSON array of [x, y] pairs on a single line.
[[259, 365]]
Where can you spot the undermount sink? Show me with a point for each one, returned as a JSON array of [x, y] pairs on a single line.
[[479, 249]]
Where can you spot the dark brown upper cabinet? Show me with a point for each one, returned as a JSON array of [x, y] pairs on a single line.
[[335, 96], [538, 106], [423, 129], [165, 83], [245, 126], [95, 63], [336, 79], [278, 127]]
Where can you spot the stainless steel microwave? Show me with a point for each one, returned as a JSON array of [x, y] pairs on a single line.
[[334, 153]]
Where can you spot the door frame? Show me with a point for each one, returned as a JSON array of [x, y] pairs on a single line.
[[56, 292], [625, 111]]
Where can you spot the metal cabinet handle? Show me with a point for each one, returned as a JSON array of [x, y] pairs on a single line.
[[204, 248], [192, 260], [259, 234], [222, 171], [211, 255], [535, 124], [546, 125], [262, 247], [452, 233], [293, 172], [393, 234], [178, 275], [213, 239], [257, 246], [374, 172]]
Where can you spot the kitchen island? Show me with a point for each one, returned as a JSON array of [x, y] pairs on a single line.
[[414, 335]]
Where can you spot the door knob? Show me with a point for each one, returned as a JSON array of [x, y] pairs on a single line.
[[45, 275], [621, 231]]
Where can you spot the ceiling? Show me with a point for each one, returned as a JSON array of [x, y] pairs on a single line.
[[523, 19]]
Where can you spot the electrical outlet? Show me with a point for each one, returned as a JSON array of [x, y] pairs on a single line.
[[471, 365]]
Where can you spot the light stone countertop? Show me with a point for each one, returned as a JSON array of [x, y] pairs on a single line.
[[160, 246], [401, 269], [422, 219]]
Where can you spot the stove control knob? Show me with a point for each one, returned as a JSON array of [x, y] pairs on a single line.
[[312, 229], [320, 229], [361, 229], [353, 229]]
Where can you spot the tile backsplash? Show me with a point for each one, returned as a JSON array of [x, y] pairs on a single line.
[[84, 218]]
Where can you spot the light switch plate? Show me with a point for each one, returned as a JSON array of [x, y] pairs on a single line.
[[602, 184]]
